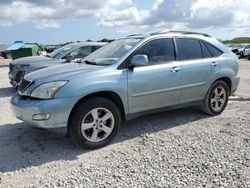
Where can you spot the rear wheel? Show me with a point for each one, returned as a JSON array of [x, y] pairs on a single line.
[[216, 98], [94, 123]]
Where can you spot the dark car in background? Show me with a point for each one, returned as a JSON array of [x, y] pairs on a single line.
[[20, 67], [51, 48], [6, 54]]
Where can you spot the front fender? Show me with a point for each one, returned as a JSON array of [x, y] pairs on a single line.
[[116, 83]]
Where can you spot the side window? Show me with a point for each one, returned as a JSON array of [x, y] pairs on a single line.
[[189, 49], [158, 51], [215, 52], [205, 51], [95, 48], [81, 52]]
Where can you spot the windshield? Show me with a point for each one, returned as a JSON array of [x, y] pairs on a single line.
[[112, 52], [57, 53]]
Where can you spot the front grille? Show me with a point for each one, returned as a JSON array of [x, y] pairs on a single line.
[[24, 85], [11, 67]]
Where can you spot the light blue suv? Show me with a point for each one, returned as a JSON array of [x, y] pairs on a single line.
[[129, 77]]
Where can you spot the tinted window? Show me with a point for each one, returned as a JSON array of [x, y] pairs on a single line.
[[96, 48], [189, 49], [205, 51], [112, 52], [59, 52], [81, 52], [158, 51], [215, 52]]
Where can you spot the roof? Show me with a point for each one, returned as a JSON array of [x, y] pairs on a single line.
[[89, 43], [16, 45], [170, 33], [180, 32], [20, 44], [186, 34]]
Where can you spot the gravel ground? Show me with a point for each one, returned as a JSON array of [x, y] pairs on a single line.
[[180, 148]]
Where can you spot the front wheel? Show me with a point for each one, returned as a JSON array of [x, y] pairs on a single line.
[[94, 123], [216, 98]]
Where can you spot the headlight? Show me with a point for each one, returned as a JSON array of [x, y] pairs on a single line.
[[47, 90], [21, 66]]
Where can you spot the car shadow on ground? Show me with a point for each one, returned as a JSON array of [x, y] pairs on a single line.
[[7, 91], [23, 146], [4, 66]]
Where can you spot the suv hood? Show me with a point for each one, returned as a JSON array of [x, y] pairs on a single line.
[[32, 59], [60, 72]]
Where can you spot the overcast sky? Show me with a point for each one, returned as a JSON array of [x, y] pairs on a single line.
[[55, 21]]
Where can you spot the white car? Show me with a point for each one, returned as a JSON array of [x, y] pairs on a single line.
[[247, 50], [244, 51]]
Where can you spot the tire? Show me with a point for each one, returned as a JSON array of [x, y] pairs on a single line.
[[97, 131], [241, 55], [8, 56], [4, 55], [215, 104]]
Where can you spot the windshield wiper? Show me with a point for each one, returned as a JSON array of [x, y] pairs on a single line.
[[78, 61], [90, 62]]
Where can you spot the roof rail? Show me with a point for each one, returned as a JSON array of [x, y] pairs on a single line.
[[135, 35], [181, 32]]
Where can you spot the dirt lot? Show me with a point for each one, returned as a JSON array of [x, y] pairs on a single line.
[[180, 148]]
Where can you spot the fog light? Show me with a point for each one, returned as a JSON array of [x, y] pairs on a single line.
[[43, 116]]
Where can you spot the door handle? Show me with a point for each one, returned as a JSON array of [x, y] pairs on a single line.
[[175, 69], [214, 64]]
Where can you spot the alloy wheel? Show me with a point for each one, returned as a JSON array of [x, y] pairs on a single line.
[[97, 125], [218, 98]]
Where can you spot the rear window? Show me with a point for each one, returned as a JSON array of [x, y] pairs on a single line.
[[189, 49], [205, 51], [214, 51]]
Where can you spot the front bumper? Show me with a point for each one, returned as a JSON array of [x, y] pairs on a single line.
[[12, 78], [16, 77], [59, 110]]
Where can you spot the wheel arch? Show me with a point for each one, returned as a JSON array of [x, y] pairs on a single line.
[[227, 80], [112, 96]]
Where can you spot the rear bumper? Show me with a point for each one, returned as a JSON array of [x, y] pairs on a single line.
[[235, 84], [59, 110]]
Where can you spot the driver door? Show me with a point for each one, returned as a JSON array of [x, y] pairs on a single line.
[[158, 84]]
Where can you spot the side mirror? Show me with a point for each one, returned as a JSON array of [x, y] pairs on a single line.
[[139, 60]]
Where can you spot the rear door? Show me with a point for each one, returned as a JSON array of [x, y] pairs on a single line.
[[199, 68]]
